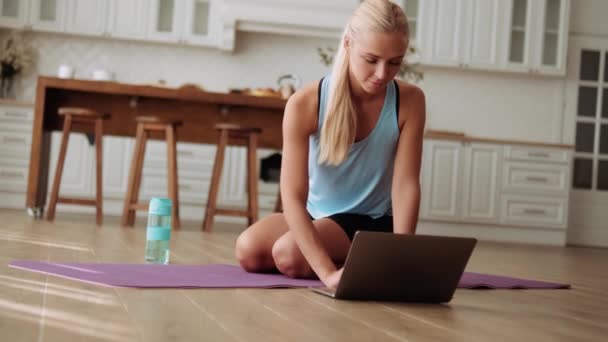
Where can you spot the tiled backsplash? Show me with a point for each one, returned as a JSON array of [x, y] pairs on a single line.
[[259, 59]]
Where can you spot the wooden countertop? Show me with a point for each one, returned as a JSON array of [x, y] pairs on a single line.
[[157, 91], [193, 94], [15, 103], [459, 136]]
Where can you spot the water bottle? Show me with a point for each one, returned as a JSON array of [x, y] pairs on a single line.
[[158, 232]]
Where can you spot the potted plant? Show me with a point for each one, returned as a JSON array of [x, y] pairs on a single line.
[[16, 57]]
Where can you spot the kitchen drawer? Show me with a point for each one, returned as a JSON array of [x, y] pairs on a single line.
[[13, 178], [16, 114], [24, 128], [535, 178], [534, 211], [537, 154], [189, 155], [15, 142]]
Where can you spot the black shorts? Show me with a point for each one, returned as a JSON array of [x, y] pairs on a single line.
[[350, 223]]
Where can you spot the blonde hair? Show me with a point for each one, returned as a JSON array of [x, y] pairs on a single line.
[[340, 122]]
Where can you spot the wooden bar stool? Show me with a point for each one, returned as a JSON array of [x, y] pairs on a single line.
[[86, 116], [250, 136], [145, 126]]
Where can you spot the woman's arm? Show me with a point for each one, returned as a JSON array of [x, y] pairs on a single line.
[[406, 177], [299, 122]]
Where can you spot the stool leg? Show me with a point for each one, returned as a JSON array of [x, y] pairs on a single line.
[[252, 178], [172, 172], [128, 214], [99, 170], [215, 181], [67, 126]]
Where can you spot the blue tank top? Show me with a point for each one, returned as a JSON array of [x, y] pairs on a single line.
[[361, 184]]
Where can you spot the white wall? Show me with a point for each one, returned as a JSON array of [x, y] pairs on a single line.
[[589, 17], [257, 62]]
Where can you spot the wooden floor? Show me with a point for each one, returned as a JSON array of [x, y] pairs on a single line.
[[36, 307]]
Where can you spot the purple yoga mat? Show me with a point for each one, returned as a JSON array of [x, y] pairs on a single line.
[[224, 276]]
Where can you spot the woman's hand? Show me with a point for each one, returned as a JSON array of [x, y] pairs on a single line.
[[333, 279]]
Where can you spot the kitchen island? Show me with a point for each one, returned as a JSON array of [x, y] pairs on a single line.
[[199, 111]]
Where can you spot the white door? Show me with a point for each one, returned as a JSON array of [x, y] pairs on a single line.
[[441, 180], [518, 35], [128, 18], [87, 17], [412, 10], [166, 20], [48, 15], [13, 13], [481, 175], [586, 125], [551, 37], [486, 26], [199, 22], [448, 31]]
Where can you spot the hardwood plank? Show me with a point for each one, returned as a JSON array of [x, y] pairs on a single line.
[[36, 307]]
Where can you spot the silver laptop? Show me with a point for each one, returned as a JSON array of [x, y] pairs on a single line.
[[397, 267]]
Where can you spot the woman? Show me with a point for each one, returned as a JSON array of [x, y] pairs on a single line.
[[352, 146]]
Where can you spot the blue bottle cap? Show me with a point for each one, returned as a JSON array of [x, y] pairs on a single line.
[[160, 206]]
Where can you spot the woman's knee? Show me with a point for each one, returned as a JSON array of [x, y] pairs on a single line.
[[250, 254], [289, 260]]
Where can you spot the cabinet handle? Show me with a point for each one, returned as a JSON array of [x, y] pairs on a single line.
[[185, 187], [9, 174], [185, 153], [14, 140], [537, 179], [538, 154], [16, 115], [535, 211]]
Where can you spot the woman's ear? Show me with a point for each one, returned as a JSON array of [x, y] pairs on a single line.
[[346, 42]]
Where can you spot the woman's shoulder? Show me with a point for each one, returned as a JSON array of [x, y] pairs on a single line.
[[304, 105], [409, 90], [307, 96], [412, 101]]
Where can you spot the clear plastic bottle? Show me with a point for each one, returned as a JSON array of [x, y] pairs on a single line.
[[158, 232]]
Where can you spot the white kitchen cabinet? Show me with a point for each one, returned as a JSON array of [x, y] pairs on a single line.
[[482, 167], [412, 11], [15, 144], [48, 15], [14, 13], [460, 181], [535, 186], [447, 35], [117, 154], [441, 180], [465, 33], [199, 24], [512, 186], [550, 54], [534, 211], [537, 36], [182, 21], [165, 20], [87, 17], [77, 178], [128, 19]]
